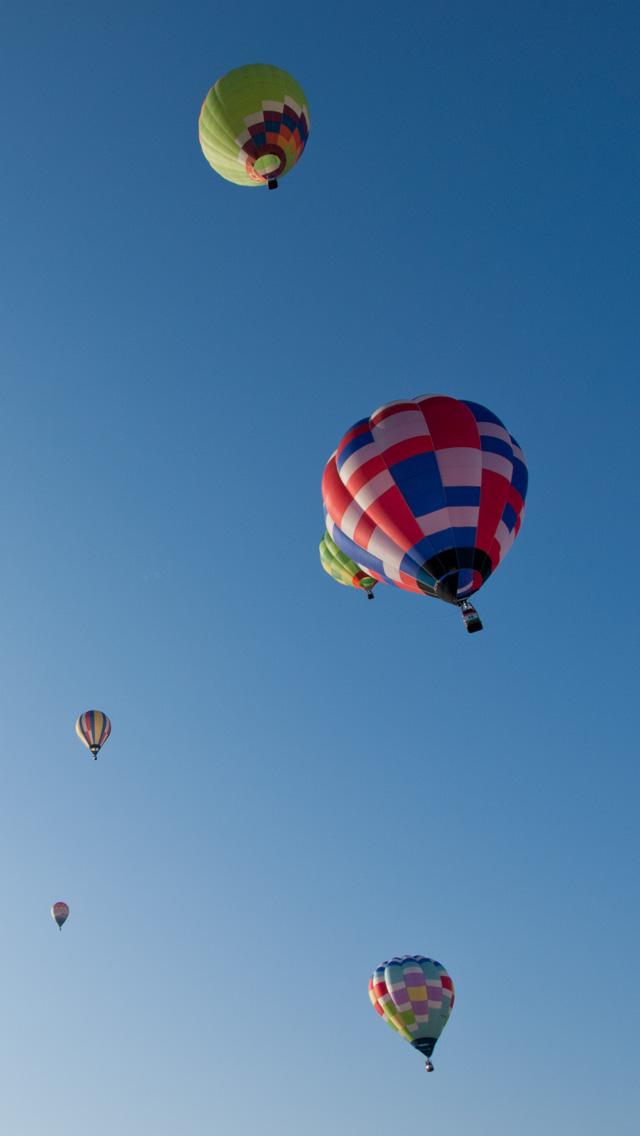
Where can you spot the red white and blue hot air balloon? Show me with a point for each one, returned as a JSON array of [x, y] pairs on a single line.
[[427, 494]]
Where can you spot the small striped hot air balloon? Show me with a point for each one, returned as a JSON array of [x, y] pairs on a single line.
[[415, 996], [343, 569], [60, 912], [254, 125], [93, 728]]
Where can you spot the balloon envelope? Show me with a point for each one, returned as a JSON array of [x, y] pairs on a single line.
[[254, 124], [427, 494], [60, 912], [344, 570], [415, 996], [93, 728]]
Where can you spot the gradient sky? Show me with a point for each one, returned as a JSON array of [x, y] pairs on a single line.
[[300, 784]]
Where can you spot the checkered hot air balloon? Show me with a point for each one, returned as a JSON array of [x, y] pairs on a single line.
[[415, 996], [344, 570], [254, 125], [60, 912], [93, 728], [428, 495]]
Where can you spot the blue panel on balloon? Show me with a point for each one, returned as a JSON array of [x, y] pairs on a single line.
[[430, 546], [359, 555], [356, 443], [410, 566], [497, 446], [509, 517], [520, 477], [418, 479], [462, 494], [481, 414], [453, 538]]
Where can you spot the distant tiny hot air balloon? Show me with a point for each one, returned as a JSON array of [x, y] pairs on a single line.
[[93, 728], [343, 569], [60, 913], [427, 494], [254, 125], [414, 995]]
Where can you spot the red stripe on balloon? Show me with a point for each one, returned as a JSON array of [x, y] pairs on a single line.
[[392, 514], [450, 423], [362, 428], [388, 411], [407, 449], [363, 532], [493, 497], [334, 494], [365, 473]]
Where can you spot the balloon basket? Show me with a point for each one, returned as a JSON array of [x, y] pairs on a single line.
[[470, 617]]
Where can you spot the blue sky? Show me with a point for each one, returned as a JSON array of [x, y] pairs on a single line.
[[300, 784]]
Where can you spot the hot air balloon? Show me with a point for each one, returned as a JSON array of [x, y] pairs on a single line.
[[427, 494], [344, 570], [254, 125], [93, 727], [60, 913], [415, 996]]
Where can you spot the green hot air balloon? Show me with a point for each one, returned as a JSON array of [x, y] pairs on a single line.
[[254, 125], [344, 570]]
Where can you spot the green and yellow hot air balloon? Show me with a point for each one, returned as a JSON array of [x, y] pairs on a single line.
[[254, 125], [344, 570]]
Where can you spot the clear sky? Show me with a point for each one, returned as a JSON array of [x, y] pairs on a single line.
[[301, 784]]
